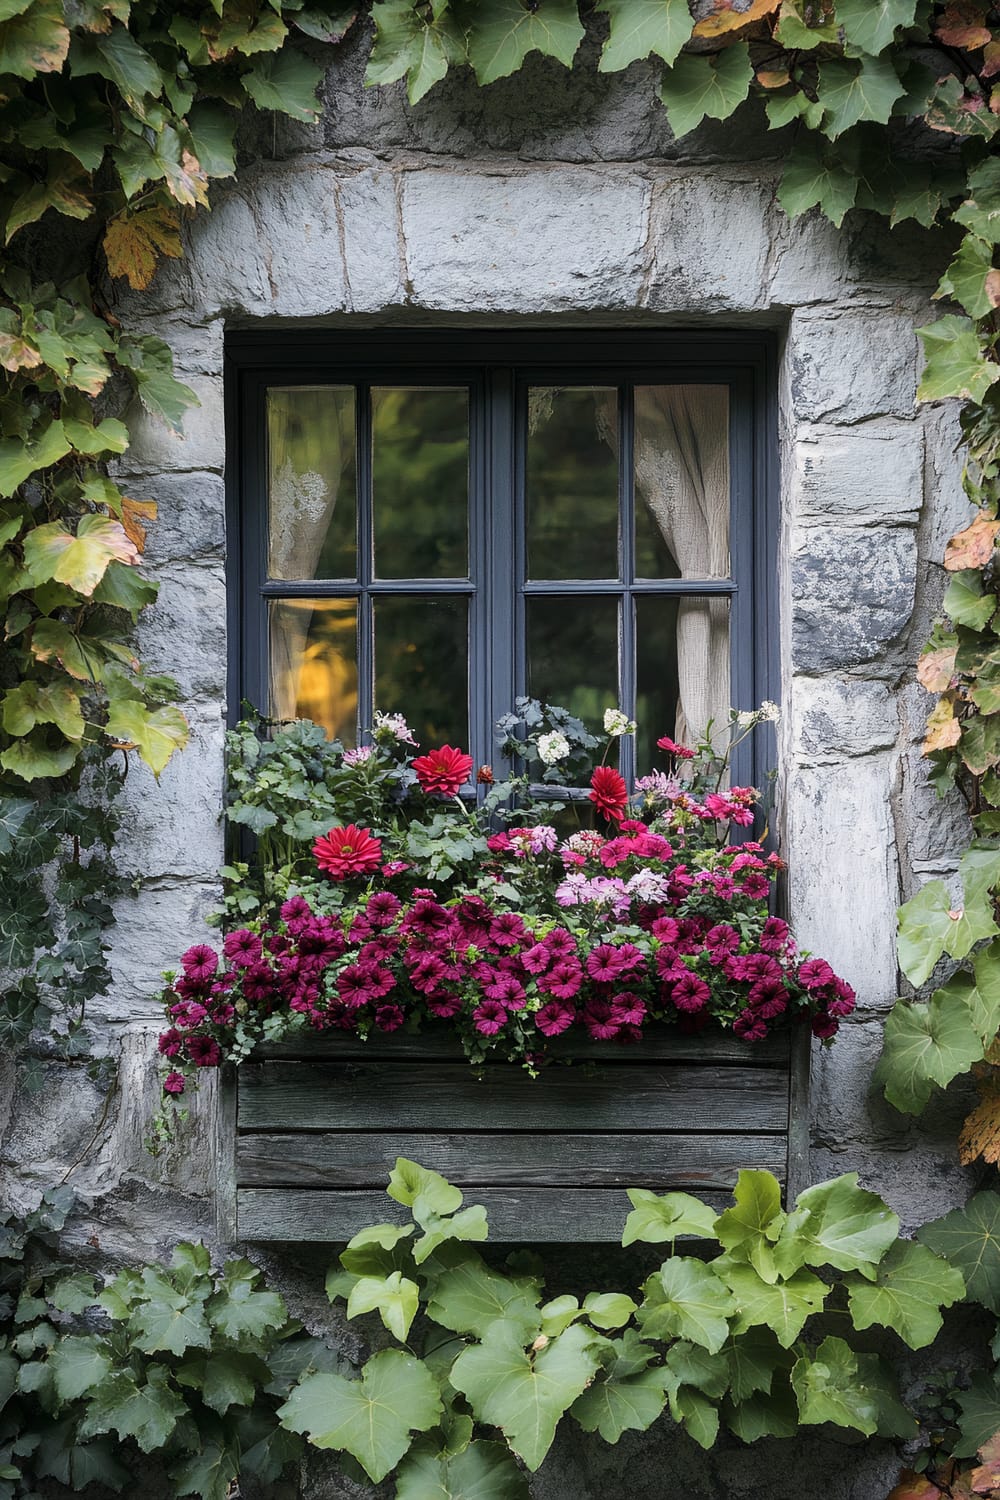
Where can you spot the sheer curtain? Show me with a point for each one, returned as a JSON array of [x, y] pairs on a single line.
[[682, 477]]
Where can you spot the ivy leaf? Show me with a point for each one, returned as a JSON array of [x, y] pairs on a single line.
[[227, 1378], [794, 33], [980, 1420], [371, 1418], [911, 1286], [699, 87], [639, 27], [783, 1307], [395, 1297], [844, 1226], [422, 1189], [35, 757], [156, 733], [483, 1471], [753, 1358], [814, 178], [684, 1299], [286, 83], [77, 1365], [742, 1229], [981, 210], [53, 553], [125, 588], [925, 1045], [955, 365], [965, 278], [930, 926], [608, 1309], [208, 1474], [525, 1394], [501, 35], [134, 242], [657, 1220], [969, 1239], [118, 57], [854, 91], [829, 1389], [65, 189], [765, 1414], [151, 367], [471, 1296], [34, 43], [149, 1413], [19, 459], [51, 703], [624, 1399], [871, 25], [965, 601], [323, 25], [238, 1310], [408, 41], [14, 813], [170, 1322], [698, 1416], [212, 131]]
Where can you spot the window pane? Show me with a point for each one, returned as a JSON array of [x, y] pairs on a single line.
[[421, 666], [420, 482], [682, 671], [572, 482], [314, 663], [312, 489], [573, 653], [682, 481]]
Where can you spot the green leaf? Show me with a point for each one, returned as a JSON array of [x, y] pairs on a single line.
[[608, 1309], [926, 1045], [845, 1226], [559, 1314], [470, 1224], [150, 364], [34, 757], [980, 1408], [212, 131], [227, 1378], [118, 57], [981, 210], [699, 1416], [171, 1323], [684, 1299], [854, 91], [815, 177], [501, 35], [287, 83], [639, 27], [525, 1394], [930, 926], [155, 733], [696, 87], [52, 703], [984, 998], [829, 1388], [371, 1418], [484, 1471], [625, 1398], [470, 1296], [208, 1474], [742, 1229], [51, 552], [871, 25], [419, 44], [19, 459], [658, 1220], [753, 1358], [793, 31], [424, 1191], [14, 813], [969, 1239], [967, 603], [965, 278], [149, 1413], [783, 1308], [34, 43], [766, 1414], [238, 1310], [395, 1296], [955, 365], [911, 1286], [77, 1365], [125, 588]]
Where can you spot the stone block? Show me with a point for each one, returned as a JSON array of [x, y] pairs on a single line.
[[843, 880], [184, 632], [833, 717], [531, 241], [872, 472], [49, 1128], [370, 216], [710, 239], [937, 828], [845, 1107], [919, 1185], [172, 827], [852, 364], [153, 928], [200, 446], [808, 261], [948, 508], [190, 523], [226, 259], [852, 593]]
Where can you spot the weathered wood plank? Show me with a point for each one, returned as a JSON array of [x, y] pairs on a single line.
[[355, 1160], [798, 1117], [523, 1216], [225, 1155], [444, 1096], [659, 1044]]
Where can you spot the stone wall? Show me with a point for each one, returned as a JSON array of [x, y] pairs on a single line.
[[559, 200]]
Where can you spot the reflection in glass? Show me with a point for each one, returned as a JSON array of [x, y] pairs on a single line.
[[314, 663], [420, 482], [573, 653], [682, 671], [572, 483], [422, 665], [682, 481], [312, 492]]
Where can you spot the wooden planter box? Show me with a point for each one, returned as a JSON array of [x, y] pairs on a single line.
[[310, 1131]]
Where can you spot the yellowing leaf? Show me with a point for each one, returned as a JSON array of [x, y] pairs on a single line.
[[726, 18], [16, 354], [913, 1486], [770, 79], [980, 1134], [972, 547], [53, 553], [935, 669], [962, 25], [943, 729], [155, 733], [132, 511], [132, 243]]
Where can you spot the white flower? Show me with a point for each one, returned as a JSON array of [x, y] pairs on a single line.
[[746, 717], [395, 726], [615, 722], [770, 712], [552, 747]]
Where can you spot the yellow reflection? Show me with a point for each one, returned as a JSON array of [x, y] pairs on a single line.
[[314, 663]]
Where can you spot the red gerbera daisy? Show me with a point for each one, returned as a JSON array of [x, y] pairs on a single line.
[[443, 770], [347, 851], [608, 793]]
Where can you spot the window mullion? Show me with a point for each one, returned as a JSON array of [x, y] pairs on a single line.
[[505, 603], [626, 618], [366, 631]]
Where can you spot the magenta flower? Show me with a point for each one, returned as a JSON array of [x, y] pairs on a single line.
[[815, 974], [489, 1017], [173, 1083], [169, 1042], [388, 1017], [203, 1051], [554, 1018], [690, 993], [200, 962]]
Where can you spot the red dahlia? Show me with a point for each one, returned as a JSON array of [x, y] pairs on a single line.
[[347, 851], [443, 770], [608, 793]]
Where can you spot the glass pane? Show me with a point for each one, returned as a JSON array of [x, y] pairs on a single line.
[[420, 482], [422, 666], [314, 663], [682, 481], [682, 671], [572, 482], [312, 488], [573, 654]]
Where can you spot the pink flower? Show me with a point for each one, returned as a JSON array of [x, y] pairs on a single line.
[[347, 851], [690, 993], [388, 1017], [825, 1026], [608, 792], [815, 974], [489, 1017], [750, 1027], [554, 1018], [200, 962], [169, 1042], [242, 947], [680, 752], [443, 771], [173, 1083]]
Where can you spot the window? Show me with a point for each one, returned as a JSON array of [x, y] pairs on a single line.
[[437, 522]]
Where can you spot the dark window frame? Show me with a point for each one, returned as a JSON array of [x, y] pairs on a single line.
[[497, 365]]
